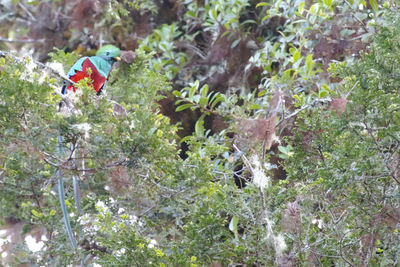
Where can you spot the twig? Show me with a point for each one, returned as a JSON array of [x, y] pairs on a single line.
[[26, 11], [368, 254], [354, 15], [246, 161], [6, 40], [322, 100], [352, 88], [341, 251], [63, 164], [35, 196], [146, 211]]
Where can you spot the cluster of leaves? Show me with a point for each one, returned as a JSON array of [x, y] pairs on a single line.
[[133, 181], [349, 163]]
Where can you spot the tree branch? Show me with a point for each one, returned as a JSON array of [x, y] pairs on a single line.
[[322, 100], [39, 64], [6, 40]]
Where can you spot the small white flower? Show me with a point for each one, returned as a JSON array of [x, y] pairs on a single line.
[[133, 218], [44, 238], [318, 222], [152, 243], [84, 219], [120, 252], [57, 67], [4, 238], [121, 210], [132, 125], [32, 244], [101, 206]]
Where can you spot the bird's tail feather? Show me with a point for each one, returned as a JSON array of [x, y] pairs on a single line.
[[61, 193]]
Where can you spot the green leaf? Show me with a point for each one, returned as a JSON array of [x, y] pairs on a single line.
[[235, 43], [282, 149], [177, 93], [263, 4], [35, 213], [184, 139], [323, 94], [249, 21], [203, 101], [262, 93], [218, 98], [183, 107], [309, 63], [204, 90], [301, 7], [314, 8], [193, 89], [286, 152], [296, 55], [196, 99], [233, 226], [328, 3], [255, 106], [265, 18], [199, 126], [374, 5], [347, 32]]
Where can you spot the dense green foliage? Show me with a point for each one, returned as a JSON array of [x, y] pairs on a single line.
[[291, 157]]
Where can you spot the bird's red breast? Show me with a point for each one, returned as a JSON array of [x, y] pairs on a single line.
[[97, 79]]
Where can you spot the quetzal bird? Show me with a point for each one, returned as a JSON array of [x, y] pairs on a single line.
[[100, 66]]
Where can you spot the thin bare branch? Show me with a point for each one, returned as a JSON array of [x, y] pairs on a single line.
[[6, 40], [26, 11], [313, 103]]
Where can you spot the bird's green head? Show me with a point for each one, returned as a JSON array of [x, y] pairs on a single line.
[[109, 52]]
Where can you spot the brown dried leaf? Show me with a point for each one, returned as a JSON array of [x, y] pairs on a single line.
[[120, 182], [338, 105], [290, 221], [128, 56], [251, 131]]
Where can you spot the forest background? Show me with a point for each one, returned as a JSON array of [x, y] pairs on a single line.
[[232, 133]]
